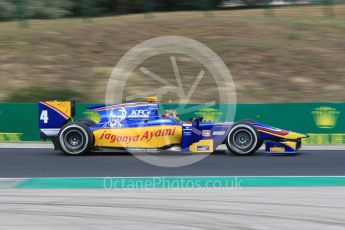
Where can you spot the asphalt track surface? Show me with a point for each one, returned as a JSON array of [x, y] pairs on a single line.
[[48, 163], [245, 209]]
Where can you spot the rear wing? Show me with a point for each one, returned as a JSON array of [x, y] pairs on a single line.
[[52, 115]]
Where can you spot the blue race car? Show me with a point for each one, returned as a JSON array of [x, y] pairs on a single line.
[[139, 126]]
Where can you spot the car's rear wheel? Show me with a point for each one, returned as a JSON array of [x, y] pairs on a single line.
[[88, 122], [243, 139], [75, 138]]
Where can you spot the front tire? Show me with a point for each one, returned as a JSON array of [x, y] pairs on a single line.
[[75, 138], [243, 139]]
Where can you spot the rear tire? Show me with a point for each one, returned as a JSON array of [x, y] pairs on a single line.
[[243, 139], [75, 138], [88, 122]]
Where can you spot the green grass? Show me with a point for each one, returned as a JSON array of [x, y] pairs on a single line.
[[35, 94], [293, 36]]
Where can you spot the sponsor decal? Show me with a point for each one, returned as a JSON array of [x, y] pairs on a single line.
[[218, 133], [203, 148], [50, 132], [138, 113], [206, 133], [187, 133], [143, 149], [325, 117], [204, 145], [277, 149], [115, 118], [145, 136]]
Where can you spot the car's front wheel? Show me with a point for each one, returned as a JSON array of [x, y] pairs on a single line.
[[243, 139], [75, 138]]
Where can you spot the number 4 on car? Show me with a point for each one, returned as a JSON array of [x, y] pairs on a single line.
[[139, 126]]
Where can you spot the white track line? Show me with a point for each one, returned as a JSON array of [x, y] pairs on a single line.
[[26, 146]]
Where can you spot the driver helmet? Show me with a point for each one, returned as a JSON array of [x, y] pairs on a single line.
[[171, 113]]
